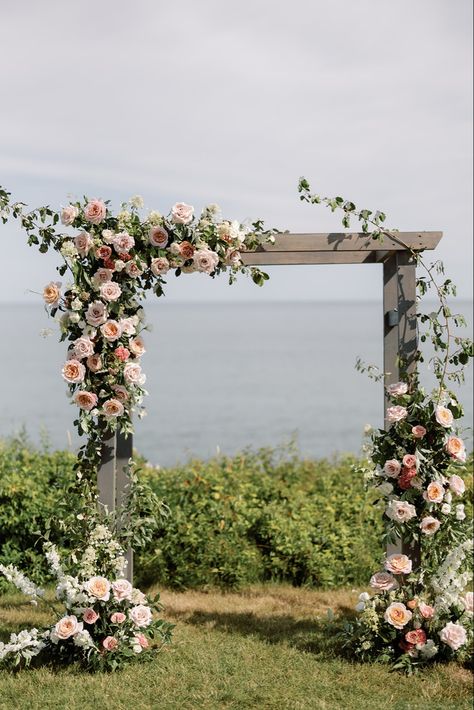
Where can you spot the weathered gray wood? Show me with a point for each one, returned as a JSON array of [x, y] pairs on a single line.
[[106, 475], [270, 258], [347, 241], [400, 343], [124, 451]]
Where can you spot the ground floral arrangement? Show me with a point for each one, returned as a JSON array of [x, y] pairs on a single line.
[[420, 609]]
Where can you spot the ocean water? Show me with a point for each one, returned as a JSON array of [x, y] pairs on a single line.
[[221, 377]]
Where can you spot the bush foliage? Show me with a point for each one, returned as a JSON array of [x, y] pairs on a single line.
[[257, 516]]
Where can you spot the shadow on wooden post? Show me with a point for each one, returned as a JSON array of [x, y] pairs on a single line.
[[400, 344]]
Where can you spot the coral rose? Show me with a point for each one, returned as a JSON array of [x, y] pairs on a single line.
[[94, 211], [52, 293], [398, 564], [417, 636], [73, 371], [122, 353], [85, 400], [444, 416], [104, 252], [397, 615]]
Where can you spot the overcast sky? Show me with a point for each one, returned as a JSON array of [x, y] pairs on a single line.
[[230, 102]]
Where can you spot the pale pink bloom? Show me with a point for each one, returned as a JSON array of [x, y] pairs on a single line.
[[137, 346], [426, 611], [94, 211], [141, 615], [102, 276], [392, 468], [160, 266], [383, 581], [400, 511], [129, 325], [434, 493], [85, 400], [73, 371], [96, 313], [123, 242], [181, 213], [94, 363], [121, 392], [98, 587], [444, 416], [67, 627], [83, 347], [206, 261], [133, 269], [232, 257], [110, 643], [110, 291], [418, 431], [122, 589], [457, 485], [409, 461], [429, 525], [68, 215], [454, 635], [90, 616], [397, 389], [111, 330], [397, 615], [158, 237], [142, 640], [398, 564], [468, 601], [118, 617], [113, 408], [133, 374], [396, 414], [52, 293], [83, 243], [456, 448]]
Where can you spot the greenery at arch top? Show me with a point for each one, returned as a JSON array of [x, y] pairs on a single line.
[[418, 612]]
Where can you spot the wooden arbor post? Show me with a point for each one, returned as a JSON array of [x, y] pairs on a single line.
[[399, 319]]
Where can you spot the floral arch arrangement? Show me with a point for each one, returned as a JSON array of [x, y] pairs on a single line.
[[419, 611]]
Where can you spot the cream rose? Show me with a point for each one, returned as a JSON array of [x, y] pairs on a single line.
[[397, 615], [68, 215], [398, 564], [133, 374], [67, 627], [113, 408], [141, 615], [158, 237], [83, 243], [83, 348], [434, 493], [429, 525], [400, 511], [392, 468], [110, 291], [98, 587], [96, 313], [137, 346], [457, 485], [52, 293], [111, 330], [85, 400], [444, 416], [160, 265], [181, 213], [73, 371], [383, 582], [396, 414], [397, 389], [454, 635], [122, 589], [456, 448], [95, 211]]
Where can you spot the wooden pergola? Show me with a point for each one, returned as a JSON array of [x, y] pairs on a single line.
[[399, 320]]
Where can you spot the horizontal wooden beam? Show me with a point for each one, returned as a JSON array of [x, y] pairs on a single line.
[[345, 241], [268, 258]]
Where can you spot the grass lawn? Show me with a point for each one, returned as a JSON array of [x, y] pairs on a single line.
[[266, 647]]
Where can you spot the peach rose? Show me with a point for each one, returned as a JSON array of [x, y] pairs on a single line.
[[426, 611], [412, 604], [141, 615], [454, 635], [158, 237], [73, 371], [444, 416], [96, 313], [83, 347], [133, 374], [94, 363], [409, 461], [118, 617], [434, 493], [417, 636], [137, 346], [383, 581], [113, 408], [83, 243], [68, 215], [90, 616], [418, 431], [396, 414], [186, 250], [181, 213], [123, 242], [457, 485], [398, 564], [160, 266], [397, 389], [98, 587], [67, 627], [111, 330], [122, 589], [397, 615], [110, 291], [94, 211], [110, 643], [456, 448], [85, 400], [392, 468], [429, 525], [52, 293]]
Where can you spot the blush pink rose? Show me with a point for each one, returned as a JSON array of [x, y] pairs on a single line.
[[158, 237], [123, 242], [444, 416], [142, 640], [396, 414], [137, 346], [429, 525], [205, 261], [398, 564], [454, 635], [397, 389], [456, 448], [95, 211], [133, 374], [418, 431], [121, 392], [68, 215], [181, 213], [118, 617], [160, 266], [113, 408], [73, 371], [110, 291], [383, 582], [409, 461], [392, 468], [99, 587], [96, 313], [67, 627], [90, 616], [426, 611], [111, 330], [400, 511], [102, 275], [133, 269], [83, 243], [94, 363], [110, 643], [85, 400], [83, 348], [457, 485], [122, 589], [186, 250], [141, 615]]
